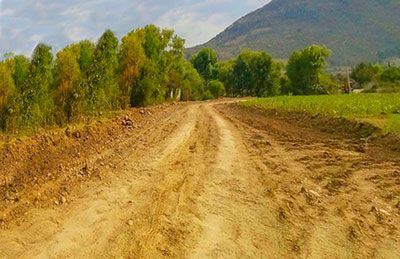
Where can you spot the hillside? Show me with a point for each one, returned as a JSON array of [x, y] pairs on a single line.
[[359, 29]]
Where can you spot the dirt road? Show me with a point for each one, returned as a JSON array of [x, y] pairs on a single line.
[[202, 180]]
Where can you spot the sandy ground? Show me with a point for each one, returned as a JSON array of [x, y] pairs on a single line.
[[200, 180]]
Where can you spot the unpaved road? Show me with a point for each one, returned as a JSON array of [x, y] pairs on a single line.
[[204, 180]]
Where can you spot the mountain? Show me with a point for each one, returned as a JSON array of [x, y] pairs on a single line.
[[355, 30]]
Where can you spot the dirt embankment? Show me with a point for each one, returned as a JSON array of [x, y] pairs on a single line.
[[201, 180], [41, 171]]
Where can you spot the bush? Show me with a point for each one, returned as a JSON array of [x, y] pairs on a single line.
[[217, 89]]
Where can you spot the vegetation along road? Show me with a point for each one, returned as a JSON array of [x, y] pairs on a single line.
[[206, 179]]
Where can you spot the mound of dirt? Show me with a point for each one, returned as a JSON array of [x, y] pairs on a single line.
[[45, 169]]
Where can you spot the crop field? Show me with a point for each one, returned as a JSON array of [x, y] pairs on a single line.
[[384, 109]]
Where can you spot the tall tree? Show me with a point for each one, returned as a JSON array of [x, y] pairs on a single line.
[[67, 78], [151, 86], [86, 52], [255, 74], [225, 75], [21, 71], [103, 90], [7, 92], [192, 85], [266, 74], [37, 101], [305, 68], [365, 73], [205, 63], [391, 74], [131, 60], [244, 80], [176, 67]]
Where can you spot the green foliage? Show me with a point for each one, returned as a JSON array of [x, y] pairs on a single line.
[[193, 86], [205, 63], [366, 73], [250, 74], [226, 76], [328, 84], [176, 68], [7, 86], [131, 60], [37, 103], [103, 90], [7, 92], [165, 72], [88, 79], [149, 91], [67, 76], [393, 124], [216, 88], [391, 74], [375, 78], [21, 70], [151, 83], [86, 53], [305, 68]]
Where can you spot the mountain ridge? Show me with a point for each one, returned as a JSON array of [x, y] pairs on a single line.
[[355, 30]]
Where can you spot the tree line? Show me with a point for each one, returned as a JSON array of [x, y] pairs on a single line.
[[147, 67], [372, 77], [257, 74]]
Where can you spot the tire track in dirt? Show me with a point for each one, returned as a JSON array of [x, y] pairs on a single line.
[[234, 217], [320, 191], [164, 222]]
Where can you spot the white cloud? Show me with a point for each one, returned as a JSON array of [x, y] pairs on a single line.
[[193, 27], [7, 12], [61, 22]]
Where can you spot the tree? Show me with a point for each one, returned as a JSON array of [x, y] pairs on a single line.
[[85, 79], [86, 53], [391, 74], [225, 75], [305, 68], [192, 84], [176, 67], [255, 74], [131, 61], [205, 63], [103, 90], [266, 74], [152, 85], [243, 85], [37, 102], [217, 89], [7, 92], [67, 78], [365, 73], [21, 70]]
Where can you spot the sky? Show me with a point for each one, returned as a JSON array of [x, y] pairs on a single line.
[[24, 23]]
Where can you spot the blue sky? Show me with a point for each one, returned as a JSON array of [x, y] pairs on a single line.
[[24, 23]]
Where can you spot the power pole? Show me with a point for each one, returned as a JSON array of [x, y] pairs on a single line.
[[347, 66]]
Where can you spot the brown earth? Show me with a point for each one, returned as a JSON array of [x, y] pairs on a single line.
[[201, 180]]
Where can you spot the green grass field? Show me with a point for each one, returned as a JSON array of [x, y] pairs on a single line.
[[382, 108]]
